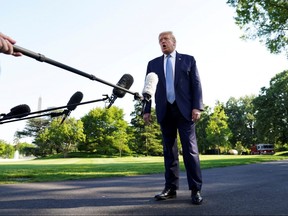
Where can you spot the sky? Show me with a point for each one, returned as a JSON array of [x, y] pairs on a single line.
[[115, 37]]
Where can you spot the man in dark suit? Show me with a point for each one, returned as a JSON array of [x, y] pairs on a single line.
[[178, 107]]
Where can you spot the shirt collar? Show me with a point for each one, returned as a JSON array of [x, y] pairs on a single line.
[[173, 54]]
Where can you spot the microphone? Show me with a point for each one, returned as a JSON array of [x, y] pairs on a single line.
[[74, 101], [149, 89], [19, 111], [126, 82]]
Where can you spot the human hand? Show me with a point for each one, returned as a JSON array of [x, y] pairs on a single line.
[[6, 45], [147, 118], [196, 114]]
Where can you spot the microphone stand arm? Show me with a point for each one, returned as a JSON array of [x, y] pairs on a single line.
[[52, 114], [42, 58]]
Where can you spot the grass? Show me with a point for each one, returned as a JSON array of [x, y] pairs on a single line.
[[47, 170]]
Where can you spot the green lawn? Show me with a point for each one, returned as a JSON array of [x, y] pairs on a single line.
[[45, 170]]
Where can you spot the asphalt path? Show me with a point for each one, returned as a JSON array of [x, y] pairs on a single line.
[[256, 189]]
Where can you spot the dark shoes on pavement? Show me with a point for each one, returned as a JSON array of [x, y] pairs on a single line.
[[196, 198], [168, 193]]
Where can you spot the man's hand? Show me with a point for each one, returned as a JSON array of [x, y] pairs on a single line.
[[196, 114], [147, 118]]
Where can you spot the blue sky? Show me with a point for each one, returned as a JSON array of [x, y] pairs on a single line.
[[114, 37]]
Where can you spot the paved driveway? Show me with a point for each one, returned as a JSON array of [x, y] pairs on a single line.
[[257, 189]]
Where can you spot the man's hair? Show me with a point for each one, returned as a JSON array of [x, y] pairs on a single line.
[[168, 32]]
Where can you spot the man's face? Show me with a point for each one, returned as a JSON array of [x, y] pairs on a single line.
[[167, 43]]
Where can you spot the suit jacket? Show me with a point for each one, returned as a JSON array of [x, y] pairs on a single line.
[[188, 90]]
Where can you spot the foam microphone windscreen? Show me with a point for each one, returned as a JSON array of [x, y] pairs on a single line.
[[19, 111], [74, 100], [150, 84], [126, 82]]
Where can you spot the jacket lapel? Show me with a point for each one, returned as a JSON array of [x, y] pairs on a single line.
[[178, 61], [161, 75]]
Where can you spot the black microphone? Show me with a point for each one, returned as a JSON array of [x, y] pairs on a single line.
[[19, 111], [149, 89], [74, 101], [126, 82]]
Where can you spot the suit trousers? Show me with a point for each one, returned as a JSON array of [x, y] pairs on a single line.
[[172, 122]]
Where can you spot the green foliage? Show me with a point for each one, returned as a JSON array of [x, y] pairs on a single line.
[[201, 134], [106, 131], [217, 130], [279, 147], [67, 135], [6, 150], [272, 111], [264, 19], [147, 138], [241, 120], [33, 127], [44, 146], [59, 137], [240, 148], [25, 149]]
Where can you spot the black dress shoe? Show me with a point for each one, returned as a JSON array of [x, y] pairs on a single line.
[[196, 198], [167, 193]]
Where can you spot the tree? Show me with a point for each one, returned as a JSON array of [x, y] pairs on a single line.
[[201, 126], [104, 129], [272, 112], [264, 19], [218, 132], [33, 127], [44, 146], [25, 149], [147, 138], [241, 120], [60, 138], [120, 137], [67, 135], [120, 142], [6, 150]]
